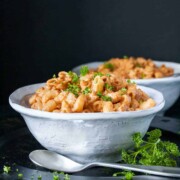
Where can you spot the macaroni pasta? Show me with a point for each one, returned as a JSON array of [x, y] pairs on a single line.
[[135, 68], [90, 92]]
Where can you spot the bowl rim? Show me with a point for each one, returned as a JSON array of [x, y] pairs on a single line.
[[145, 81], [157, 96]]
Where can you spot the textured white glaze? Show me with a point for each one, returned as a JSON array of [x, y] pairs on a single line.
[[85, 137], [169, 86]]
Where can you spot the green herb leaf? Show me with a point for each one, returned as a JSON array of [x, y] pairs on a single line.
[[123, 90], [6, 169], [66, 177], [20, 176], [138, 65], [99, 94], [56, 176], [98, 74], [74, 76], [125, 57], [137, 138], [86, 90], [109, 66], [104, 98], [109, 87], [128, 175], [130, 82], [75, 89], [54, 76], [143, 76], [153, 151], [84, 70], [108, 75], [39, 177]]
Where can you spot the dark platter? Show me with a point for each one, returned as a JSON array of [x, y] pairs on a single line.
[[16, 145]]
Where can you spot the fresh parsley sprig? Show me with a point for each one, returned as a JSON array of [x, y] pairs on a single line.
[[108, 86], [74, 76], [125, 57], [84, 70], [103, 97], [130, 81], [73, 88], [128, 175], [153, 151], [87, 90], [123, 91], [109, 66], [6, 169], [98, 74]]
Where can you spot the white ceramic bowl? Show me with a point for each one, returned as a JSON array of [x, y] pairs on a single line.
[[169, 86], [85, 137]]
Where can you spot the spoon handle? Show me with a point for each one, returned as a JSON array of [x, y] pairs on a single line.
[[155, 170]]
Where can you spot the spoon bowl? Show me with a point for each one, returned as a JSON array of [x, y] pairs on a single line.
[[57, 162]]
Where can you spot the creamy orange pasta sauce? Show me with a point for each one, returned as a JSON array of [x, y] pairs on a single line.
[[135, 68], [89, 92]]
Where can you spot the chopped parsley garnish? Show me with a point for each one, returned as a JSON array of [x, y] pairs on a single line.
[[86, 90], [99, 94], [123, 90], [128, 175], [39, 177], [75, 89], [7, 169], [74, 76], [130, 82], [54, 76], [20, 176], [66, 177], [98, 74], [153, 151], [108, 75], [56, 176], [109, 66], [138, 65], [143, 76], [125, 57], [109, 87], [104, 98], [84, 70]]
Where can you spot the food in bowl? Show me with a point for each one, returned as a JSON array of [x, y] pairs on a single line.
[[135, 68], [89, 92], [168, 85], [85, 137]]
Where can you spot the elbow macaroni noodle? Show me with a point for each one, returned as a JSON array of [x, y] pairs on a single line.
[[135, 68], [92, 92]]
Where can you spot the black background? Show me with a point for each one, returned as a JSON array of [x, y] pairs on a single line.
[[42, 37]]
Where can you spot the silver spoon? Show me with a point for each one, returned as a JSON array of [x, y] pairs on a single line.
[[57, 162]]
